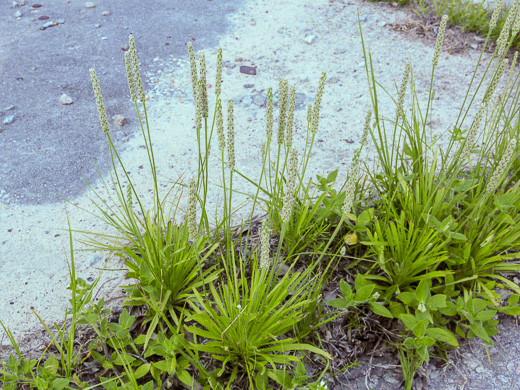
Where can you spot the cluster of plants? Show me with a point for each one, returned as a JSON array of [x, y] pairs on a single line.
[[430, 232], [471, 15]]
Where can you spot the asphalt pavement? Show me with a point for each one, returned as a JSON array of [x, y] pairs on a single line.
[[46, 50]]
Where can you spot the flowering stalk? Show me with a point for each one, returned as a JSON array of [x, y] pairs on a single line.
[[203, 91], [99, 102], [317, 103], [137, 74], [290, 188], [265, 246], [440, 40], [130, 77], [191, 214], [193, 66], [502, 166], [231, 136], [402, 90], [470, 140], [504, 34], [494, 82], [494, 17], [218, 81], [282, 105], [290, 119], [269, 114], [220, 127]]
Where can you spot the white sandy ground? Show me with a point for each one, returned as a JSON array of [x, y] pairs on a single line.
[[270, 35]]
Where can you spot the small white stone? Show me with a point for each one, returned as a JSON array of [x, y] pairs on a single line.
[[97, 25], [90, 4], [309, 39], [18, 14], [65, 100], [105, 13], [119, 120]]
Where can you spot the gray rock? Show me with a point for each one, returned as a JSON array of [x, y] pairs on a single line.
[[333, 80], [249, 85], [90, 4], [247, 101], [10, 108], [18, 14], [65, 100], [125, 47], [341, 49], [8, 120], [15, 4], [97, 25], [60, 21], [119, 120], [260, 100], [105, 13], [309, 39], [363, 18], [229, 64]]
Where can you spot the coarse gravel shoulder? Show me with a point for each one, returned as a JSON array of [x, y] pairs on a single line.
[[293, 39]]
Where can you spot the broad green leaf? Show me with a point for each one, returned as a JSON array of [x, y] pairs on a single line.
[[142, 370], [443, 335], [60, 383], [407, 298], [511, 310], [423, 353], [426, 341], [364, 293], [185, 378], [485, 315], [396, 309], [380, 310], [437, 301], [423, 291], [339, 303], [346, 290], [458, 237], [513, 299], [350, 239], [419, 329], [479, 330], [408, 320]]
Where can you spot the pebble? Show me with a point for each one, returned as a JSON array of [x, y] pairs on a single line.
[[119, 120], [15, 4], [249, 85], [229, 64], [65, 100], [60, 21], [474, 46], [247, 70], [8, 120], [341, 50], [260, 100], [18, 14], [97, 25], [105, 13], [309, 39], [9, 108], [363, 18], [90, 4], [333, 80], [125, 47], [247, 101], [43, 17]]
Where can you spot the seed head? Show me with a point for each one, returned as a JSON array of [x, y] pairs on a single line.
[[198, 106], [366, 127], [516, 24], [440, 39], [192, 210], [218, 82], [262, 150], [269, 114], [402, 89], [291, 186], [264, 245], [220, 127], [502, 166], [103, 119], [203, 89], [494, 82], [496, 13], [130, 77], [472, 133], [290, 118], [504, 34], [137, 74], [129, 196], [231, 136], [353, 176], [282, 105], [317, 103], [193, 66]]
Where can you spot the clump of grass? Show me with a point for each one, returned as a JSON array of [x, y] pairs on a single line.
[[431, 234]]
